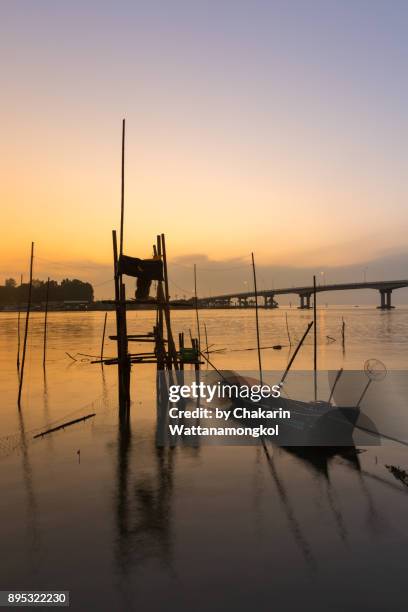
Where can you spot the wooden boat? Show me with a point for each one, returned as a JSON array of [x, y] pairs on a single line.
[[315, 423]]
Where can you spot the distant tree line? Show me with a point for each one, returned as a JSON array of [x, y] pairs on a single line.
[[13, 293]]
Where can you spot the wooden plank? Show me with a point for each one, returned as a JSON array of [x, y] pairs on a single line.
[[67, 424]]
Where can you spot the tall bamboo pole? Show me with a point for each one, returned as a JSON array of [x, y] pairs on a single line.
[[18, 325], [297, 349], [45, 321], [120, 295], [171, 345], [196, 308], [314, 338], [164, 356], [118, 317], [122, 192], [206, 340], [287, 330], [103, 336], [257, 319], [20, 387]]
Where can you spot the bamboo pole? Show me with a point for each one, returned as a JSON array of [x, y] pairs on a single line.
[[118, 321], [181, 347], [122, 192], [103, 335], [196, 307], [120, 296], [314, 338], [171, 345], [20, 387], [18, 326], [343, 333], [257, 319], [160, 300], [206, 339], [287, 330], [295, 353], [338, 375], [124, 342], [45, 321], [166, 357]]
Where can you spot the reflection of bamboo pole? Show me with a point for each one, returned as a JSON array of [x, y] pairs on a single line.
[[256, 318], [45, 321], [20, 387], [18, 325], [283, 496], [103, 335]]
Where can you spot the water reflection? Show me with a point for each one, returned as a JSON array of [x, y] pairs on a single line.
[[294, 524], [143, 500], [257, 522], [33, 532]]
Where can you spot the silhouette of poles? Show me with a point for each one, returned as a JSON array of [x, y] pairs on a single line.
[[206, 340], [122, 192], [20, 387], [343, 333], [257, 319], [103, 337], [123, 364], [287, 330], [171, 344], [18, 326], [120, 297], [196, 308], [297, 349], [314, 339], [45, 321]]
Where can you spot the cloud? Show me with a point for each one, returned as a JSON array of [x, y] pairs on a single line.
[[233, 274]]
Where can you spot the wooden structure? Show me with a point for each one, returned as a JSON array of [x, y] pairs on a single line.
[[163, 352]]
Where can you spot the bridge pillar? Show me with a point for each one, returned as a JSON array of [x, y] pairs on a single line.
[[385, 295], [269, 302], [304, 300]]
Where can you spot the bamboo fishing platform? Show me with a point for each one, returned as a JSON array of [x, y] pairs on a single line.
[[164, 353]]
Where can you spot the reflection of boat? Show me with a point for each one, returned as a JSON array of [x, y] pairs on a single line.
[[398, 473], [315, 423]]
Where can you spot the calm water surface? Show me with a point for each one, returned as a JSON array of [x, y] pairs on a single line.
[[125, 525]]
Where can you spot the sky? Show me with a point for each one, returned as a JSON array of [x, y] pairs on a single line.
[[266, 126]]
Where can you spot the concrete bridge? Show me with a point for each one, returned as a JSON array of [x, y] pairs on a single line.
[[305, 293]]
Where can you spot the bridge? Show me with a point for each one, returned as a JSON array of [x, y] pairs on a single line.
[[305, 293]]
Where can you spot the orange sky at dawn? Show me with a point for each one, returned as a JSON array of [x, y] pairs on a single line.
[[239, 138]]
